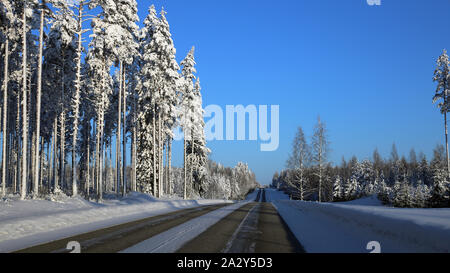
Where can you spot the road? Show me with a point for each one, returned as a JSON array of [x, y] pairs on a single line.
[[255, 227]]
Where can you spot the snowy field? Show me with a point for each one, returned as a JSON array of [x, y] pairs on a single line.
[[349, 226], [32, 222]]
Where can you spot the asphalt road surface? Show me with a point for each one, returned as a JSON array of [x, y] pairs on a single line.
[[253, 228]]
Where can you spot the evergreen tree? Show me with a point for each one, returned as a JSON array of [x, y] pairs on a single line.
[[439, 192], [338, 189], [441, 76], [402, 197]]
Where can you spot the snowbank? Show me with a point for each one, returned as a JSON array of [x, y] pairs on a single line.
[[31, 222], [349, 226]]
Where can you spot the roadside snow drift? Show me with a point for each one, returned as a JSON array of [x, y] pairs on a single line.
[[350, 226], [32, 222]]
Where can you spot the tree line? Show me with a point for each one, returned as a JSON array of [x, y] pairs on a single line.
[[78, 76], [397, 181]]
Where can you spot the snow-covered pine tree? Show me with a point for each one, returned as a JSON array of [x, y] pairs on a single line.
[[367, 178], [441, 76], [383, 191], [421, 195], [26, 14], [187, 106], [170, 79], [147, 99], [402, 197], [59, 71], [80, 17], [42, 10], [100, 59], [118, 27], [197, 145], [338, 189], [439, 192], [351, 188]]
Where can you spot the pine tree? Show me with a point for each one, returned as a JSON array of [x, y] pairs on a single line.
[[439, 192], [147, 99], [187, 106], [384, 191], [338, 189], [168, 107], [402, 197], [76, 99], [441, 76], [198, 142]]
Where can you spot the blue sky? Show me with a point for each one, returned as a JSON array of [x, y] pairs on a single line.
[[367, 70]]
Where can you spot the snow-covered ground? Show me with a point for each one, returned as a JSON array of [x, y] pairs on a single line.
[[32, 222], [350, 226]]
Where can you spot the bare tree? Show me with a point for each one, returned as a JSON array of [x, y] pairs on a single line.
[[299, 160], [320, 148]]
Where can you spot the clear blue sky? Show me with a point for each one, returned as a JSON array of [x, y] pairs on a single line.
[[367, 70]]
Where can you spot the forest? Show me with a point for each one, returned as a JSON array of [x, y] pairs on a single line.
[[397, 181], [83, 88]]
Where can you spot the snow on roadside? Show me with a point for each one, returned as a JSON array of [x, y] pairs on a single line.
[[31, 222], [349, 226]]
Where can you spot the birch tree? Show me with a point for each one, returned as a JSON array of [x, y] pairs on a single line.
[[299, 160], [320, 148]]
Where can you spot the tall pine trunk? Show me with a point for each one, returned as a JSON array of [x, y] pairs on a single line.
[[119, 114], [97, 157], [88, 168], [62, 128], [23, 190], [154, 151], [76, 104], [170, 166], [5, 111], [38, 102], [446, 141], [55, 143], [185, 166], [124, 136], [133, 147], [160, 161]]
